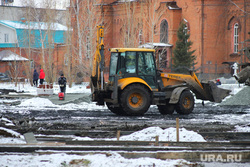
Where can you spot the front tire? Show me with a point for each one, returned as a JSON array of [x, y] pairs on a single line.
[[135, 99], [186, 103], [166, 109], [115, 110]]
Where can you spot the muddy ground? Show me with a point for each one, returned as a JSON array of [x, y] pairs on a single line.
[[208, 118]]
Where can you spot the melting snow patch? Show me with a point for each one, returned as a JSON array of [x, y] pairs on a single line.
[[11, 140], [245, 128], [108, 159], [39, 102], [13, 133], [168, 134]]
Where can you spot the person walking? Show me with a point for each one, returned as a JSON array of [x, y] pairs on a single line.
[[35, 78], [62, 83], [41, 76], [218, 82]]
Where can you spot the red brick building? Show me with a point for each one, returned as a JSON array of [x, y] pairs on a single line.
[[218, 28]]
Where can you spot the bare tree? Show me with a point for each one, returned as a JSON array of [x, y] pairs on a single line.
[[86, 16], [153, 15], [45, 24], [132, 25]]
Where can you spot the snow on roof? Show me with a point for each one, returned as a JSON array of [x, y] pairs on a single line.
[[33, 25], [173, 8], [7, 55], [153, 45], [126, 0]]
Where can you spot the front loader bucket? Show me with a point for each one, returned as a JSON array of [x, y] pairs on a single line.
[[214, 93]]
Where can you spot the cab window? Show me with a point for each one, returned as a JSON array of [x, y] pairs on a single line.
[[146, 65], [130, 62], [113, 64]]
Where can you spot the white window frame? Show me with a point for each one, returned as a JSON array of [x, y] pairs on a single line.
[[236, 38], [140, 37], [66, 59], [6, 38], [88, 49]]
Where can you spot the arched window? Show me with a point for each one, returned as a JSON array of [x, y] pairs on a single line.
[[164, 32], [236, 37]]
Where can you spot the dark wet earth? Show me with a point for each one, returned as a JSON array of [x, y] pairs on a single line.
[[208, 118]]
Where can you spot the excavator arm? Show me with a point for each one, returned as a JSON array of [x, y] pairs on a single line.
[[202, 90], [97, 76]]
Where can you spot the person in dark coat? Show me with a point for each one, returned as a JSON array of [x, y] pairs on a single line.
[[62, 83], [41, 76], [35, 78], [218, 82]]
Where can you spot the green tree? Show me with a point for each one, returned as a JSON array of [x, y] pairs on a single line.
[[183, 58]]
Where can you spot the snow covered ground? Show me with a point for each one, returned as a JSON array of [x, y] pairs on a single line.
[[94, 160], [108, 159]]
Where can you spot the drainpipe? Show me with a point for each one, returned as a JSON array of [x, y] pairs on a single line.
[[245, 26], [202, 36]]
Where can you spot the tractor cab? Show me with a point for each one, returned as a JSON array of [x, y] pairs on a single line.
[[133, 62]]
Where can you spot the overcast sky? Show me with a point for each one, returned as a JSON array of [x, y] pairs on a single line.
[[59, 4]]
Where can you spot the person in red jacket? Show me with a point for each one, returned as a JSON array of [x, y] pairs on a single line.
[[41, 76]]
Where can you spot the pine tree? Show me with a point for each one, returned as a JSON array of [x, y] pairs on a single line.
[[183, 58]]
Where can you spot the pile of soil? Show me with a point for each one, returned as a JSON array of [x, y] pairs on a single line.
[[241, 98]]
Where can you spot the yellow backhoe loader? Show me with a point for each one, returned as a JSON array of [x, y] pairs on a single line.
[[134, 83]]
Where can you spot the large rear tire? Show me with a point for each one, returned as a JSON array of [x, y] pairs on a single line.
[[115, 110], [166, 109], [135, 99], [186, 103]]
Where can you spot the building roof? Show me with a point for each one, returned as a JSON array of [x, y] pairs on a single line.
[[33, 25], [7, 55], [36, 31], [154, 45], [131, 50]]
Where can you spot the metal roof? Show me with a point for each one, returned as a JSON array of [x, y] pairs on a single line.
[[131, 49], [7, 55], [37, 32], [154, 45], [34, 25]]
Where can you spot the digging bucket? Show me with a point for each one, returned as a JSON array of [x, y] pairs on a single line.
[[214, 93]]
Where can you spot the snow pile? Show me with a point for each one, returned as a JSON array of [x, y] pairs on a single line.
[[6, 121], [168, 134], [82, 106], [245, 128], [16, 138], [43, 103], [11, 132], [150, 133], [37, 102]]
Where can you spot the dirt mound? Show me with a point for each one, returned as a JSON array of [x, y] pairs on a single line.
[[241, 98]]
